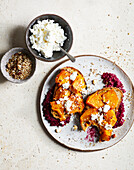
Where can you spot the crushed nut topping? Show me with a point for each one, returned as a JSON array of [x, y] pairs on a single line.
[[19, 66]]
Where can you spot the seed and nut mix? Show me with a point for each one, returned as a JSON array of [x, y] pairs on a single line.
[[19, 66]]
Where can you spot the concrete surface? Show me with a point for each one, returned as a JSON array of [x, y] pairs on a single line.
[[100, 27]]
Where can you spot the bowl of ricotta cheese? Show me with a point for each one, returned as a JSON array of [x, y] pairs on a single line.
[[45, 34]]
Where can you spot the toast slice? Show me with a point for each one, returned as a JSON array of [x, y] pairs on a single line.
[[71, 77], [110, 96], [69, 85]]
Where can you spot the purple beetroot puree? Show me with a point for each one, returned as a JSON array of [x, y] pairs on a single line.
[[47, 110], [110, 80], [92, 134]]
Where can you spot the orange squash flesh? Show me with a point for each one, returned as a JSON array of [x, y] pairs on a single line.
[[110, 117], [61, 93], [59, 109], [95, 100], [85, 119], [111, 97], [62, 77], [79, 83], [105, 135]]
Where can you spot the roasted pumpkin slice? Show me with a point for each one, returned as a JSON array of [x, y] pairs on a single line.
[[63, 77], [79, 83], [57, 110], [111, 98], [85, 119], [105, 134], [61, 93], [95, 100], [110, 117]]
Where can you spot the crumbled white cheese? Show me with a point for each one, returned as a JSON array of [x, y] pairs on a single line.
[[100, 109], [58, 102], [68, 104], [108, 126], [94, 116], [73, 76], [84, 91], [106, 108], [66, 78], [62, 122], [66, 85], [97, 117], [45, 36], [107, 102], [65, 98]]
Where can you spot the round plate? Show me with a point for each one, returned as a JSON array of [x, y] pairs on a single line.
[[76, 139], [67, 32]]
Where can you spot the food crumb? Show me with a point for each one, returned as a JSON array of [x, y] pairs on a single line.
[[75, 127], [57, 130], [94, 81]]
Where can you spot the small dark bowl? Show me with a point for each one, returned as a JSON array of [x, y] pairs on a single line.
[[8, 56], [67, 32]]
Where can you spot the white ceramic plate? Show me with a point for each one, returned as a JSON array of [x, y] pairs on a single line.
[[76, 139]]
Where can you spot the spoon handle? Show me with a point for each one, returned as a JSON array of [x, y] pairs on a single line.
[[69, 56]]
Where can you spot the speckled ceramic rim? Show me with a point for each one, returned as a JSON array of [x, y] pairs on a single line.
[[26, 38], [88, 150], [8, 55]]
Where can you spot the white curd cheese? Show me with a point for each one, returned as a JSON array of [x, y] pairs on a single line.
[[65, 98], [108, 126], [66, 85], [73, 76], [94, 116], [45, 36], [58, 102], [84, 91], [106, 108], [62, 122], [100, 109], [68, 104], [97, 117]]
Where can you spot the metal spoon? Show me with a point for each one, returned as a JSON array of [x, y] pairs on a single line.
[[69, 56]]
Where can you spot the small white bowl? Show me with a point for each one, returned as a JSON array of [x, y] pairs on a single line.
[[8, 56]]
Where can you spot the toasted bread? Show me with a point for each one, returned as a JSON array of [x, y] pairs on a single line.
[[111, 96], [97, 99], [63, 77], [75, 84]]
